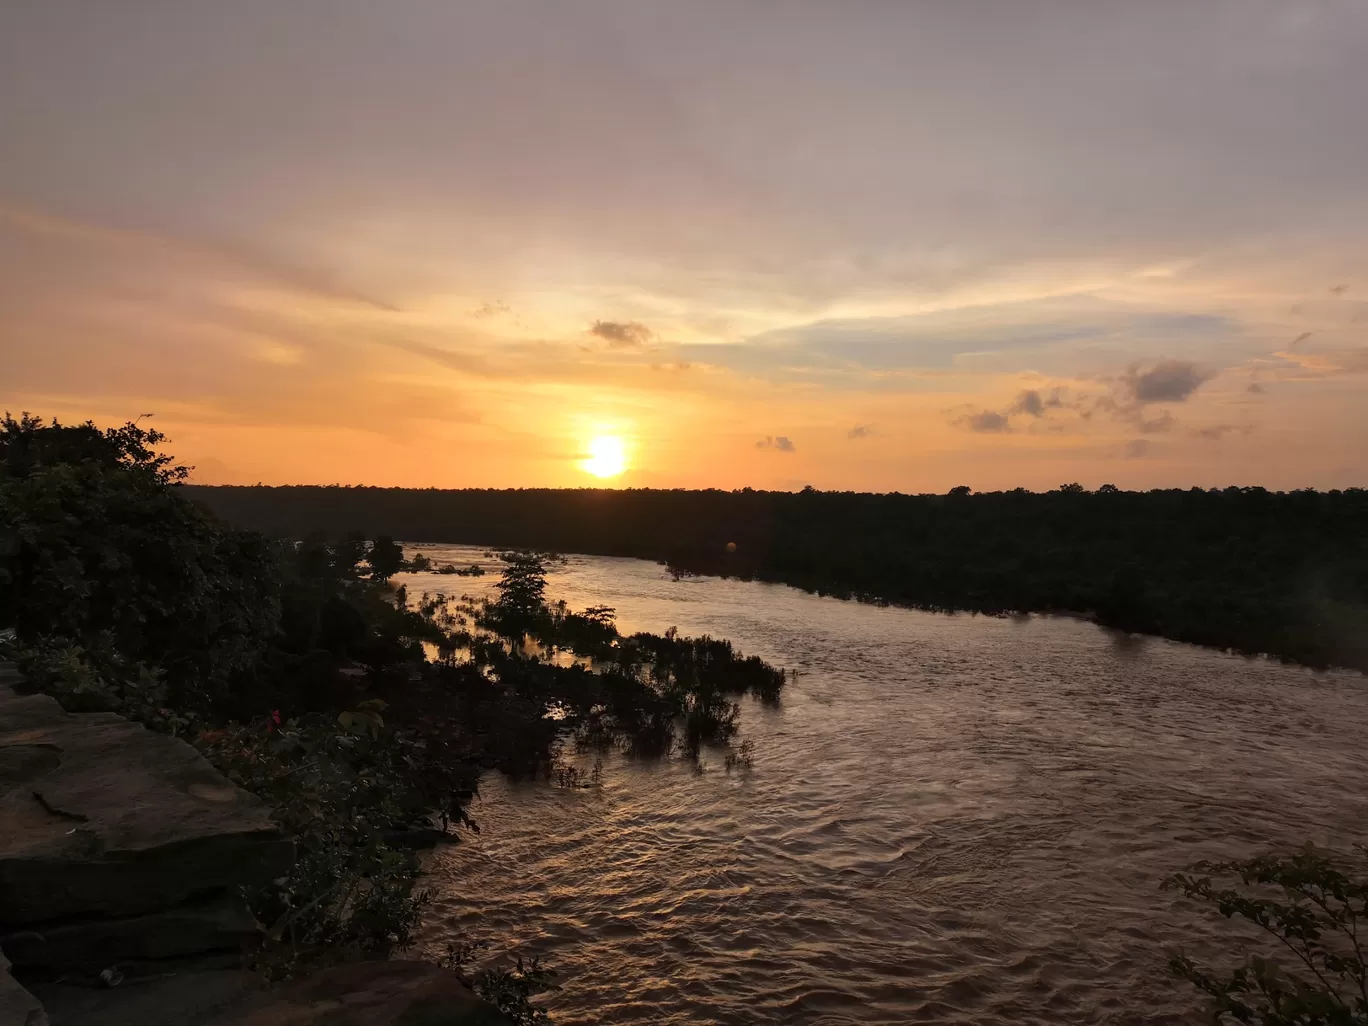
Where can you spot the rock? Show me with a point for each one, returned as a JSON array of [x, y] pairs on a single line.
[[102, 817], [358, 994], [17, 1006], [187, 999], [134, 944], [368, 994]]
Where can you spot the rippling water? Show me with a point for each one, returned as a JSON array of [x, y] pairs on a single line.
[[950, 819]]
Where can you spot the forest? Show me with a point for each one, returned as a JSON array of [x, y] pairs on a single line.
[[1261, 572]]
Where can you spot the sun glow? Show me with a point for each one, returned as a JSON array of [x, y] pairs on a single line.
[[607, 456]]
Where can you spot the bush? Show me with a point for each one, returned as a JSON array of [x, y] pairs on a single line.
[[1310, 902]]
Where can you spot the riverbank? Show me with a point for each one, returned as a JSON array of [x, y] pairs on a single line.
[[1245, 569]]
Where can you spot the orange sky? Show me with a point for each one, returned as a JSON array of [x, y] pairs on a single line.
[[886, 248]]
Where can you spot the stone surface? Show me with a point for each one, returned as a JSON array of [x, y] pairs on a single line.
[[101, 817], [17, 1006], [359, 994], [368, 994], [134, 944], [188, 999]]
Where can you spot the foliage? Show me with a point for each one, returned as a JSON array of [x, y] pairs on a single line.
[[1312, 903], [121, 593], [385, 557], [339, 786], [509, 989], [522, 591], [102, 553], [1284, 573]]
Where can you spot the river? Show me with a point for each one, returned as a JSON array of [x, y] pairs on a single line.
[[950, 819]]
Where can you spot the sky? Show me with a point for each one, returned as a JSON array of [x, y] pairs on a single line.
[[855, 245]]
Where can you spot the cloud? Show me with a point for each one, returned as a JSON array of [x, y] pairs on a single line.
[[1216, 432], [986, 422], [1339, 290], [780, 443], [1032, 402], [1300, 338], [1168, 381], [1155, 425], [1255, 387], [860, 431], [622, 334], [1137, 449], [494, 309], [1045, 334]]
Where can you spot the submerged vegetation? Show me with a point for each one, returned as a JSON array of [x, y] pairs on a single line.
[[304, 675]]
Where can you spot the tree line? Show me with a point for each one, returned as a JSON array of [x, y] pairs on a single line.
[[1258, 571]]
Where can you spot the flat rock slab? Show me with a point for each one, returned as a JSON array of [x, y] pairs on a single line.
[[134, 945], [368, 994], [188, 999], [358, 994], [102, 817]]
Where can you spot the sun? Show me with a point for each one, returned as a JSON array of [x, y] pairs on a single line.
[[607, 456]]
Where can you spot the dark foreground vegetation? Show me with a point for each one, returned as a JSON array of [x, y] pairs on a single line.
[[364, 716], [1281, 573]]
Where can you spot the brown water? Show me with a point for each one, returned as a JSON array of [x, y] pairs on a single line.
[[950, 819]]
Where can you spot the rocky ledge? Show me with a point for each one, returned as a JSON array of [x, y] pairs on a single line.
[[358, 994], [119, 847]]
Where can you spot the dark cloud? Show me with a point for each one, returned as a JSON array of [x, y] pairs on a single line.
[[986, 422], [1033, 403], [1030, 402], [1168, 381], [1137, 449], [1339, 290], [1300, 338], [1255, 387], [860, 431], [780, 443], [622, 334]]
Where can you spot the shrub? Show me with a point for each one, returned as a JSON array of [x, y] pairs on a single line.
[[1311, 902]]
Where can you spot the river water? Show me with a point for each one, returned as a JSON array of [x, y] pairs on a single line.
[[950, 819]]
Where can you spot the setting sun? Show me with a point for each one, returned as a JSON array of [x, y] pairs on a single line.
[[607, 456]]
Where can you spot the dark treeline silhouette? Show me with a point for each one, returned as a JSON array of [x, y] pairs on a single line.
[[1282, 573]]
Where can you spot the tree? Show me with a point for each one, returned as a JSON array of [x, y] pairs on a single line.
[[1073, 488], [522, 586], [386, 558], [108, 564]]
